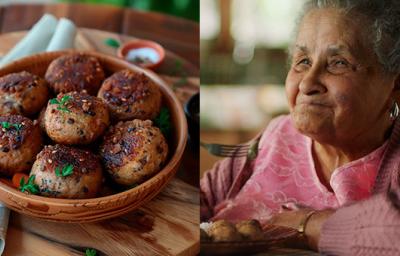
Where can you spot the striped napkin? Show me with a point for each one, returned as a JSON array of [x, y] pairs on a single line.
[[48, 34]]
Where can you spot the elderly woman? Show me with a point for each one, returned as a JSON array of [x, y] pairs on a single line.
[[337, 155]]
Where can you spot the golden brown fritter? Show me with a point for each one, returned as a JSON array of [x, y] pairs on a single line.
[[20, 141], [66, 172], [250, 230], [75, 72], [22, 93], [131, 95], [223, 230], [76, 118], [132, 151]]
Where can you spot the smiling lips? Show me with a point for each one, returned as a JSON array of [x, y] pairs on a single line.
[[314, 103]]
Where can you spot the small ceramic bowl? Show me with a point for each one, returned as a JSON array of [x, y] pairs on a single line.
[[104, 207], [144, 53], [192, 112]]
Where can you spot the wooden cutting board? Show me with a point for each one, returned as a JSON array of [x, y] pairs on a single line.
[[167, 225]]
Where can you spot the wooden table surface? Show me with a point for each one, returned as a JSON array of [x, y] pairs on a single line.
[[178, 35], [167, 225]]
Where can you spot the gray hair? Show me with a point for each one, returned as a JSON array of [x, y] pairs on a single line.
[[384, 30]]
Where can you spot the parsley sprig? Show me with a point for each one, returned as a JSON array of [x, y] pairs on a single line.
[[30, 186], [90, 252], [61, 103], [7, 125], [163, 121], [67, 170], [112, 42]]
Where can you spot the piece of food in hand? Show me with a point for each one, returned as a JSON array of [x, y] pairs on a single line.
[[250, 230], [132, 151], [223, 231], [131, 95], [66, 172], [76, 118], [75, 72], [20, 142], [22, 93]]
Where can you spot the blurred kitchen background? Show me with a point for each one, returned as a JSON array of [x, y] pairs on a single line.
[[188, 9], [243, 60]]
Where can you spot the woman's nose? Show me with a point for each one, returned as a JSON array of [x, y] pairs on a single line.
[[311, 83]]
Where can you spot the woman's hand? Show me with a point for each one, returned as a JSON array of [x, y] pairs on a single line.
[[293, 219]]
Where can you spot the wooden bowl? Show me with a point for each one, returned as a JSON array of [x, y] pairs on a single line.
[[100, 208]]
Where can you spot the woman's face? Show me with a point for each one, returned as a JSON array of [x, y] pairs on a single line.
[[335, 87]]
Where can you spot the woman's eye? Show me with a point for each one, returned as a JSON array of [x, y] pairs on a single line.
[[302, 65], [304, 62], [338, 66], [340, 63]]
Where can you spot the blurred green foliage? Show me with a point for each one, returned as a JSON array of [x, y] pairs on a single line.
[[188, 9]]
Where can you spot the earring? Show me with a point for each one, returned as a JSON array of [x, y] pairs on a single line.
[[394, 111]]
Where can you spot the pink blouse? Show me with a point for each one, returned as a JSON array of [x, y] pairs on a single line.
[[284, 172]]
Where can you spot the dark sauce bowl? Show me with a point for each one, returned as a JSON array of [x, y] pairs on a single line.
[[192, 112]]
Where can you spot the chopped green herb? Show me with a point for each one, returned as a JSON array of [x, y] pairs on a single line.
[[54, 101], [18, 127], [111, 42], [7, 125], [58, 174], [61, 103], [30, 186], [63, 109], [178, 65], [65, 98], [66, 170], [90, 252], [163, 121]]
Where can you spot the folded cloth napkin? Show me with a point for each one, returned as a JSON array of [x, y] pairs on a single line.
[[64, 36], [46, 35], [35, 41]]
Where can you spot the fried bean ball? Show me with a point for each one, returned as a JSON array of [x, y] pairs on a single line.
[[132, 151], [20, 142], [22, 93], [131, 95], [75, 72], [76, 118], [223, 230], [66, 172], [250, 230]]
